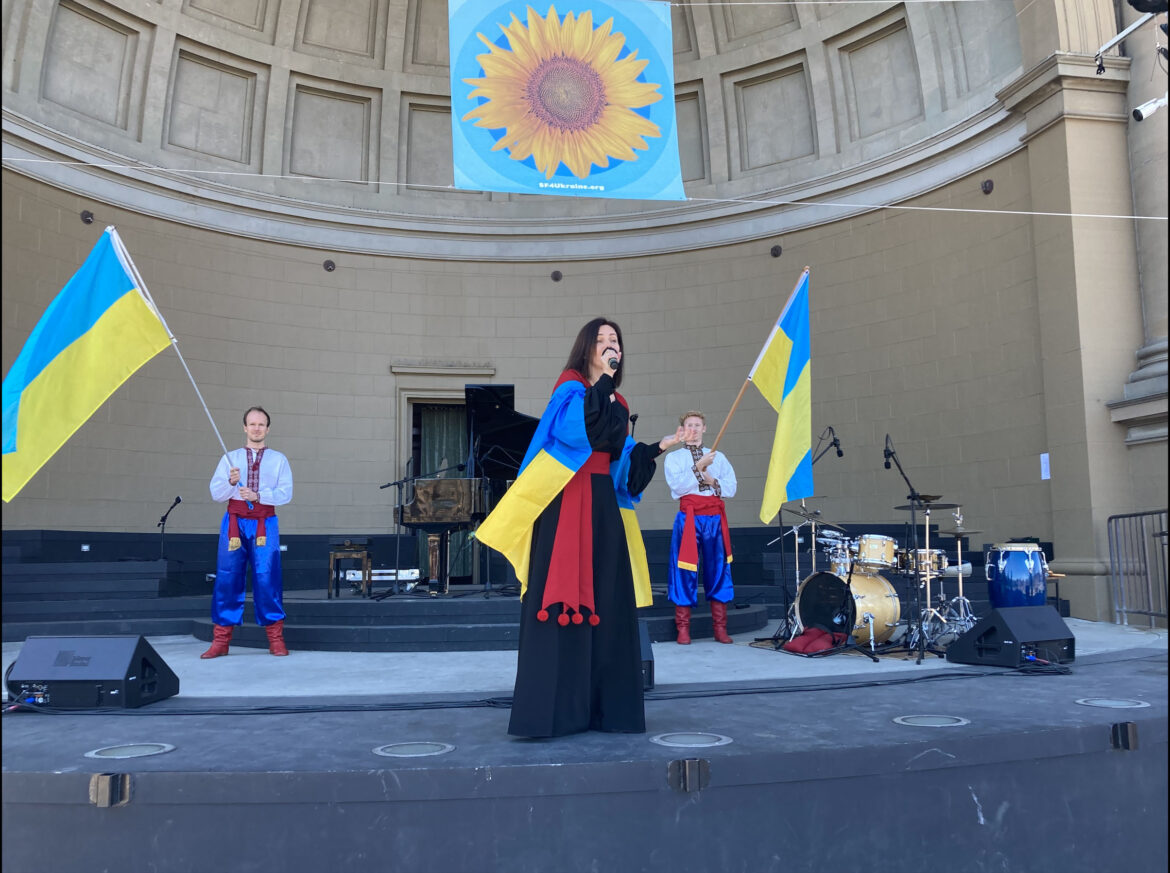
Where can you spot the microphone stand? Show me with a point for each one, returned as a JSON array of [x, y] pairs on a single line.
[[918, 635], [398, 518], [162, 526], [397, 530]]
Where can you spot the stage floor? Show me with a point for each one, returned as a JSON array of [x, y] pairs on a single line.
[[810, 770]]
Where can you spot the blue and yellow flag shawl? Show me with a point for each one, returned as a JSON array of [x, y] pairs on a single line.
[[559, 449]]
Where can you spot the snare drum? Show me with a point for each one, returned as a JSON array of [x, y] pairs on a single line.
[[935, 559], [875, 551], [1017, 575], [822, 601]]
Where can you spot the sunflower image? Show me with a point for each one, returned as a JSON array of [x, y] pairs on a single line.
[[561, 94]]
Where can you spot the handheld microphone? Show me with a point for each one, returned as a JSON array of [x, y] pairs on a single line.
[[178, 500], [888, 451], [613, 363], [837, 443]]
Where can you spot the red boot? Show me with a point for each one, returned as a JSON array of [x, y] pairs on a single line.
[[221, 636], [682, 621], [275, 633], [719, 621]]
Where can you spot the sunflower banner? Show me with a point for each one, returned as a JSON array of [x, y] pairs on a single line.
[[574, 99]]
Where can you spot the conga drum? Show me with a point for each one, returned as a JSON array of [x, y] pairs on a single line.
[[1017, 575]]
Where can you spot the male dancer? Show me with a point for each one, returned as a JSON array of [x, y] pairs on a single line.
[[699, 480], [250, 534]]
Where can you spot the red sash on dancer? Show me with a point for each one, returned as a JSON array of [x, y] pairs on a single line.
[[688, 547], [238, 509]]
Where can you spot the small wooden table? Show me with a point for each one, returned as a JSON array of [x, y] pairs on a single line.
[[333, 588]]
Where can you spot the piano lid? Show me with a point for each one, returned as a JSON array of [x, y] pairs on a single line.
[[498, 435]]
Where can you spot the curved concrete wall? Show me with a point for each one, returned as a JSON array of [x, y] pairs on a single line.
[[967, 325], [336, 113]]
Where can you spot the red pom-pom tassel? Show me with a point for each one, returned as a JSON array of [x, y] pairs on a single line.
[[542, 615], [594, 620], [563, 619], [578, 618]]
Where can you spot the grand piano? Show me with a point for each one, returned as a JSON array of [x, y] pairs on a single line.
[[498, 438]]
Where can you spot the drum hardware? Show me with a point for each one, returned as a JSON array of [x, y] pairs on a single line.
[[923, 613], [790, 625], [959, 611]]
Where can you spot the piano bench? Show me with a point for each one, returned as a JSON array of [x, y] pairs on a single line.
[[333, 588]]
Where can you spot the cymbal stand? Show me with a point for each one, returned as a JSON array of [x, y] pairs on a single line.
[[916, 638], [959, 610], [930, 614], [790, 625]]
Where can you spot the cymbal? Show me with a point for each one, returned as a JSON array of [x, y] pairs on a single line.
[[962, 532], [930, 506], [813, 516]]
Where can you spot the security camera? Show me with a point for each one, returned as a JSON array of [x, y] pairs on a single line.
[[1149, 108]]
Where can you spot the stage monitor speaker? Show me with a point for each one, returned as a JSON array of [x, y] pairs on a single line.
[[90, 673], [647, 655], [1015, 636]]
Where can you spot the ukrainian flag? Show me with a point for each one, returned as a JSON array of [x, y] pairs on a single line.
[[94, 335], [558, 449], [783, 373]]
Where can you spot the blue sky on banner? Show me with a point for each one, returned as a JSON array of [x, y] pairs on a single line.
[[553, 98]]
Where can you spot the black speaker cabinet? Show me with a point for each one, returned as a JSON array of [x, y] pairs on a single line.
[[1015, 636], [647, 655], [90, 673]]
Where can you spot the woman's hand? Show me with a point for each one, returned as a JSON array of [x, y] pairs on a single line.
[[671, 440]]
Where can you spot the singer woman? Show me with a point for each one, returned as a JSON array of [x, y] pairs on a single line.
[[567, 525]]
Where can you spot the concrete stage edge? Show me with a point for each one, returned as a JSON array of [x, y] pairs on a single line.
[[817, 776]]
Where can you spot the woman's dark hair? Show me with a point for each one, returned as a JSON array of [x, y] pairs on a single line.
[[251, 409], [583, 348]]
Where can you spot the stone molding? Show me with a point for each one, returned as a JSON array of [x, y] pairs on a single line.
[[36, 151]]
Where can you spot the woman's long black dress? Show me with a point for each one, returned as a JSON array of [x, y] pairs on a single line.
[[583, 677]]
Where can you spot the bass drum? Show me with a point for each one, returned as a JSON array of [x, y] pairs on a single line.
[[823, 601]]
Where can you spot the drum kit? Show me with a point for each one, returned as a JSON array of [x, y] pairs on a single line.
[[855, 597]]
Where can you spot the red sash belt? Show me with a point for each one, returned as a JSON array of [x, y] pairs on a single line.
[[688, 547], [570, 572], [238, 509]]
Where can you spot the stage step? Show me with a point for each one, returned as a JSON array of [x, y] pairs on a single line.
[[148, 626], [442, 635], [92, 581]]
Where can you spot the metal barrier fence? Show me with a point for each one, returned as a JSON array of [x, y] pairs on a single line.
[[1137, 565]]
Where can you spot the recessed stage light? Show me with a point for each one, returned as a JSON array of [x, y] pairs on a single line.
[[932, 720], [130, 750], [413, 750], [690, 740], [1113, 702]]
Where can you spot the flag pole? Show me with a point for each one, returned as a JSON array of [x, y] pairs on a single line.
[[128, 262], [743, 387], [738, 397]]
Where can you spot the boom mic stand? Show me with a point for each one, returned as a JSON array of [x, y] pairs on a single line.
[[162, 526], [915, 625], [397, 530]]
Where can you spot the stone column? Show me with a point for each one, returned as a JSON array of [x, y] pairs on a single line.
[[1086, 275], [1141, 406]]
